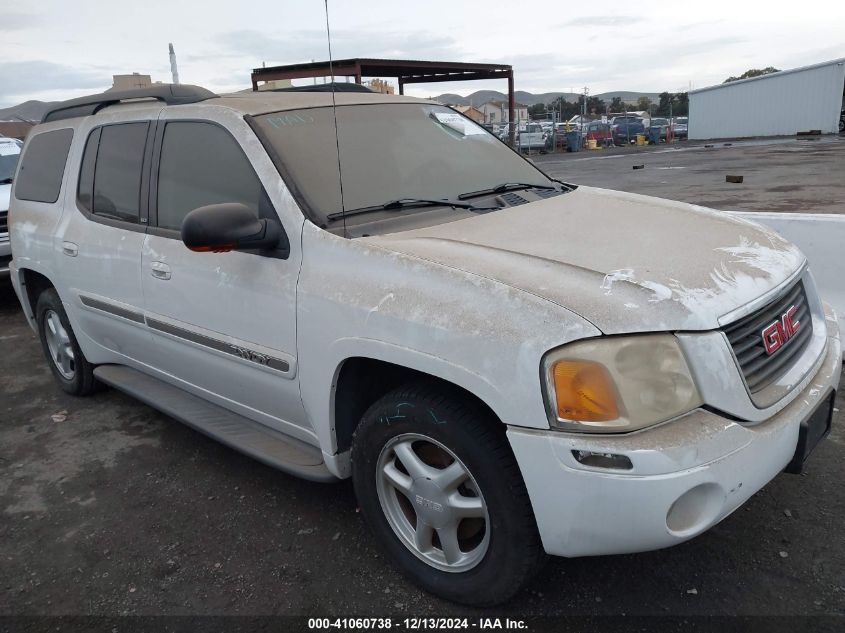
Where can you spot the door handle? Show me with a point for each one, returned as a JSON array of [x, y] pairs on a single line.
[[70, 249], [160, 270]]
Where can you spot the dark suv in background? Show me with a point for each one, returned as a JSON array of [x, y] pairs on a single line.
[[625, 130]]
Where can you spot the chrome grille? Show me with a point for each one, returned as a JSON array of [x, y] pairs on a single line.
[[746, 338], [4, 222]]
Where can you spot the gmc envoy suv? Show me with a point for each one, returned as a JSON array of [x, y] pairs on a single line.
[[373, 286]]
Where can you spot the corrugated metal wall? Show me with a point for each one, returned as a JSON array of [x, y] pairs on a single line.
[[778, 104]]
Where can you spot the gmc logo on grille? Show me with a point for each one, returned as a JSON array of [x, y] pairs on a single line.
[[778, 333]]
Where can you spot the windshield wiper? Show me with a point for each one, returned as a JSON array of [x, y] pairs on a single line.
[[502, 188], [6, 181], [407, 203]]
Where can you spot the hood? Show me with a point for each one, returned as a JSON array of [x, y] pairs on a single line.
[[624, 262]]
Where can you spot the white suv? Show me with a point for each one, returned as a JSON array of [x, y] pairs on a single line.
[[10, 150], [503, 363]]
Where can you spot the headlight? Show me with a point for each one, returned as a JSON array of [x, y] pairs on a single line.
[[618, 384]]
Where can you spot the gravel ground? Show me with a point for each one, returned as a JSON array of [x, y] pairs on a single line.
[[784, 174], [109, 508]]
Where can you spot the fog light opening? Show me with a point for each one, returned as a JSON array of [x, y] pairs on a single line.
[[603, 460], [696, 509]]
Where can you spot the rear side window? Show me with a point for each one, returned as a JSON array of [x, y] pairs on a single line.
[[202, 164], [110, 175], [43, 166]]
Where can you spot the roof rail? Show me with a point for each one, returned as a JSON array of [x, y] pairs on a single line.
[[171, 94]]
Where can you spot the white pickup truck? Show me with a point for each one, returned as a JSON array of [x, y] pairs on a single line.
[[505, 364]]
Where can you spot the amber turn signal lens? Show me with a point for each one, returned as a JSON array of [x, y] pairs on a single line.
[[584, 391]]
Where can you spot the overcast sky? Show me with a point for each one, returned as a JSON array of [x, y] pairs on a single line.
[[57, 49]]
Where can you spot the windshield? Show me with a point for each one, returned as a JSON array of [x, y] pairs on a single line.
[[9, 153], [389, 151]]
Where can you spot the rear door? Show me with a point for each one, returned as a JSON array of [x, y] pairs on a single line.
[[224, 324], [102, 232]]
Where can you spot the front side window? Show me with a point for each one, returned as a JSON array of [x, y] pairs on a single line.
[[388, 151], [43, 166], [110, 174], [202, 164]]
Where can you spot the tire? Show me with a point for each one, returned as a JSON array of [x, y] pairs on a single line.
[[71, 369], [498, 547]]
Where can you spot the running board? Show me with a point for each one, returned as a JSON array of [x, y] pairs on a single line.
[[256, 440]]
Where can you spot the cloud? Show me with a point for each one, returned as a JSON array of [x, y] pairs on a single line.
[[603, 20], [307, 44], [37, 76], [17, 21]]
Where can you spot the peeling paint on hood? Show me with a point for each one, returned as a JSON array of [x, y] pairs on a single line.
[[625, 262]]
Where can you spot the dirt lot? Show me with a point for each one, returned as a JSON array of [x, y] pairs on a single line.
[[109, 508]]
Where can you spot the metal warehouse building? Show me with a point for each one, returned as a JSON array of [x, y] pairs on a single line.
[[782, 103]]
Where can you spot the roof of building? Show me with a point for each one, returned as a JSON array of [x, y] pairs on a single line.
[[780, 73], [407, 70]]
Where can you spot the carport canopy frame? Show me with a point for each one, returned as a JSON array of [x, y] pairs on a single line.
[[406, 71]]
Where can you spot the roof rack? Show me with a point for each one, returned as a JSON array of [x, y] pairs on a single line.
[[171, 94]]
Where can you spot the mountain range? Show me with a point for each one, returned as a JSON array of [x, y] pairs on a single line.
[[28, 111], [34, 110]]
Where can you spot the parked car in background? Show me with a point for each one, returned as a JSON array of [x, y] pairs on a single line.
[[625, 130], [10, 150], [530, 137], [601, 133], [679, 127]]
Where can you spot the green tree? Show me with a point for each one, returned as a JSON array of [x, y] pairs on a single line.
[[753, 72], [617, 105], [682, 105], [644, 103], [565, 109], [595, 106], [538, 110], [666, 104]]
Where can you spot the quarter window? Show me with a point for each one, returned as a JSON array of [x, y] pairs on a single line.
[[43, 166], [201, 164]]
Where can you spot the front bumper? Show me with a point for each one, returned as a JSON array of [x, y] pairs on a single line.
[[686, 475]]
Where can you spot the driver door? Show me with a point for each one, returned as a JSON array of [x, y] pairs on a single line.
[[223, 324]]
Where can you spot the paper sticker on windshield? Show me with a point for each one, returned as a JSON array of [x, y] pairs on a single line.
[[456, 122]]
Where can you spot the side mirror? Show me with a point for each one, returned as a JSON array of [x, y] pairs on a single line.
[[230, 226]]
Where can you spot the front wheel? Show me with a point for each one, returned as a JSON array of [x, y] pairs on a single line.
[[438, 484]]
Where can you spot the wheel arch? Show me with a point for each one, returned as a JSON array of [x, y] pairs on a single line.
[[32, 284], [360, 381]]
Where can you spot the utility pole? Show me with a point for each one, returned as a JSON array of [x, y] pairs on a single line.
[[173, 70]]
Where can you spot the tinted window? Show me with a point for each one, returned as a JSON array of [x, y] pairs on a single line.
[[202, 164], [85, 192], [40, 174], [117, 174]]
